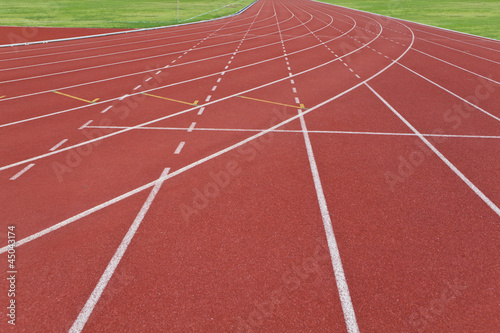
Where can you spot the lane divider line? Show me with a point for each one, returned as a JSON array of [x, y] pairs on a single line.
[[89, 306], [271, 102], [300, 131], [190, 129], [74, 97], [439, 154], [170, 99]]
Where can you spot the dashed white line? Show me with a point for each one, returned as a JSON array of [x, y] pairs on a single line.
[[208, 98], [219, 79], [137, 87], [158, 72], [149, 78], [17, 175], [107, 109], [58, 145], [193, 124], [179, 148], [213, 88], [297, 100], [83, 126], [201, 111]]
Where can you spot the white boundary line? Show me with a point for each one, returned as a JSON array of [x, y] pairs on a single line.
[[85, 313], [125, 32], [427, 25], [441, 156], [297, 131]]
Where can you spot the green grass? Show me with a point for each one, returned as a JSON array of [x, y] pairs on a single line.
[[110, 13], [478, 17]]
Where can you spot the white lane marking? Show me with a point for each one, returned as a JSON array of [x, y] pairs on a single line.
[[338, 270], [451, 93], [179, 148], [158, 72], [297, 100], [107, 109], [173, 61], [294, 89], [223, 73], [85, 313], [292, 81], [441, 156], [84, 125], [451, 48], [201, 111], [213, 88], [219, 79], [357, 76], [300, 131], [226, 67], [208, 98], [449, 63], [193, 124], [124, 96], [58, 145], [137, 87], [350, 69], [17, 175], [149, 78]]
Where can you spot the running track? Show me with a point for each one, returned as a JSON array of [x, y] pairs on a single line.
[[297, 167]]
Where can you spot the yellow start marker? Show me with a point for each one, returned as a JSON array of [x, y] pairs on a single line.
[[74, 97], [271, 102], [2, 96], [171, 99]]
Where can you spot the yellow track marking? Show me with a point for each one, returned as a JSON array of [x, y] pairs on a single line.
[[2, 96], [271, 102], [171, 99], [74, 97]]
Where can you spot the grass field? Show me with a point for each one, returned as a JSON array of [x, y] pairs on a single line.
[[478, 17], [111, 13]]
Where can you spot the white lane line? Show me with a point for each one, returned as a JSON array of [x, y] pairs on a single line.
[[300, 131], [294, 89], [292, 81], [208, 98], [340, 279], [297, 100], [449, 63], [123, 97], [193, 124], [201, 111], [17, 175], [350, 69], [137, 87], [158, 72], [149, 78], [450, 92], [222, 73], [107, 109], [85, 313], [441, 156], [213, 88], [219, 79], [83, 126], [179, 148], [58, 145]]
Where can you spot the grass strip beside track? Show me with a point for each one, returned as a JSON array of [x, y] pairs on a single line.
[[478, 17], [126, 14]]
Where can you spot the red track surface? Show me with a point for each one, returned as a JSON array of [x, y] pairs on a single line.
[[310, 118]]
